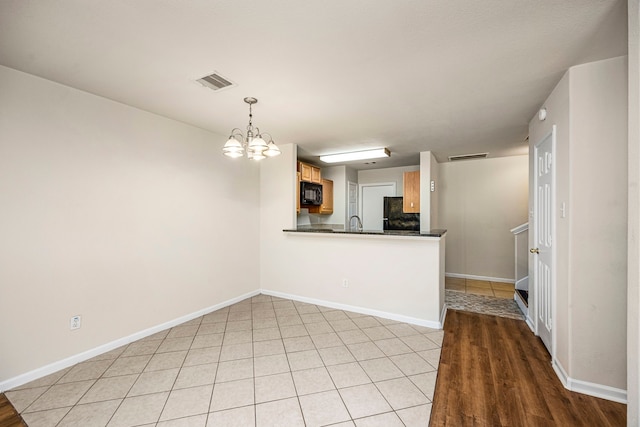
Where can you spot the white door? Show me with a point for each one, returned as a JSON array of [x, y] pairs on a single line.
[[544, 225], [352, 202], [372, 198]]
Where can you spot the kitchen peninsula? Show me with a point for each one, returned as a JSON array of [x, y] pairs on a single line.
[[393, 274], [303, 229]]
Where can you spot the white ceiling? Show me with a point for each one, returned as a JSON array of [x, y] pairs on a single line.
[[450, 76]]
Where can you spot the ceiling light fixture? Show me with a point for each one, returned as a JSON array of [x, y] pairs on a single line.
[[356, 155], [254, 144]]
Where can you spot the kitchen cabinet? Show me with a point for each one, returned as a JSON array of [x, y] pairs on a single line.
[[326, 208], [316, 175], [309, 173], [411, 192]]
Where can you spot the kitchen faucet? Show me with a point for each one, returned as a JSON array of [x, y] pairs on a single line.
[[358, 222]]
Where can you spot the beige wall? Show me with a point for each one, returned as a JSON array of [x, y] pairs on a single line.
[[633, 256], [589, 108], [124, 217], [428, 198], [480, 202], [338, 175], [599, 254], [434, 196], [373, 176]]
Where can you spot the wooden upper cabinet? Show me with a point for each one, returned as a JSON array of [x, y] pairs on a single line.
[[411, 192], [315, 175], [305, 172], [309, 173], [326, 208], [327, 197]]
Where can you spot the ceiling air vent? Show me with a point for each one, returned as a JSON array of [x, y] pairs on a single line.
[[214, 81], [468, 157]]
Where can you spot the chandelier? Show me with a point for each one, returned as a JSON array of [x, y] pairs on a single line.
[[254, 144]]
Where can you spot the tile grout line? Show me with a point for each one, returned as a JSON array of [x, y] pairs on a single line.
[[335, 328]]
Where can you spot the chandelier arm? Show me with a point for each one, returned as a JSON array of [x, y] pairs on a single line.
[[268, 134]]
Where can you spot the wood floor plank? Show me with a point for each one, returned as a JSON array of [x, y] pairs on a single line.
[[494, 372], [8, 415]]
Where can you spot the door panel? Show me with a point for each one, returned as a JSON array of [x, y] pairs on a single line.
[[353, 200], [544, 228]]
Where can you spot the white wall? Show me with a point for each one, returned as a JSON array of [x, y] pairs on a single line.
[[480, 202], [339, 177], [396, 276], [633, 233], [599, 254], [121, 216], [434, 196], [351, 175], [428, 199], [373, 176], [589, 108], [278, 184]]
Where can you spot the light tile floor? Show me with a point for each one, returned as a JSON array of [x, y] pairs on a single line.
[[264, 361], [480, 287]]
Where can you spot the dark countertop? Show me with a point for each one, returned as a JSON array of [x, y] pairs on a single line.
[[430, 233]]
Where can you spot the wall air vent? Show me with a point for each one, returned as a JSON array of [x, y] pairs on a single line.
[[468, 157], [215, 81]]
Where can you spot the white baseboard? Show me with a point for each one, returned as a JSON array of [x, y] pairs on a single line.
[[356, 309], [486, 278], [521, 305], [560, 372], [588, 388], [529, 323], [81, 357], [525, 311]]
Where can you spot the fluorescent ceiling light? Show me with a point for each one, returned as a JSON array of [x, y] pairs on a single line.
[[356, 155]]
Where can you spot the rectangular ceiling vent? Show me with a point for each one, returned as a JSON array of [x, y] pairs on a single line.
[[215, 81], [468, 157]]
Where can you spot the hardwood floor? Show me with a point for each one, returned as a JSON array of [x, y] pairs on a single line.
[[494, 372], [8, 415]]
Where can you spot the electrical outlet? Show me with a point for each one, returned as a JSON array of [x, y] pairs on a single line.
[[75, 323], [345, 283]]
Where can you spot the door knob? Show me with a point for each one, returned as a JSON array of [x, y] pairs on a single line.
[[534, 251]]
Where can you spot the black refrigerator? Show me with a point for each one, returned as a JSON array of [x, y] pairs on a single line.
[[394, 219]]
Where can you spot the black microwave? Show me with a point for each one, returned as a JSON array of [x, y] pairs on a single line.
[[310, 193]]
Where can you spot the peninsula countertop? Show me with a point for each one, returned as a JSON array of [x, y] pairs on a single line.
[[307, 229]]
